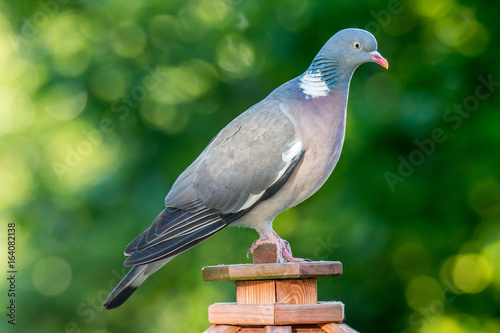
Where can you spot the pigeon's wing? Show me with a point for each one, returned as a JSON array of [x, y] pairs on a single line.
[[243, 162], [173, 232], [247, 162]]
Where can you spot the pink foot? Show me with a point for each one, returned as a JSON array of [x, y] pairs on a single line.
[[284, 253]]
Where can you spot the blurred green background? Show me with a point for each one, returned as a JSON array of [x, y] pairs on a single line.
[[104, 103]]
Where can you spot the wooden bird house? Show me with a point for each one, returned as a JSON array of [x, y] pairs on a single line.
[[275, 298]]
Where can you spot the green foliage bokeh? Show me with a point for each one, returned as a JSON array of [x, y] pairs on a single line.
[[104, 103]]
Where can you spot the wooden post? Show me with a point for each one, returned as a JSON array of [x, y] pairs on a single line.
[[275, 298]]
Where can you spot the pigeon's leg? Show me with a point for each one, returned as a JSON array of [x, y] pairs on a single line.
[[284, 253], [284, 250]]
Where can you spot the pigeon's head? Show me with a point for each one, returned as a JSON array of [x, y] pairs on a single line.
[[353, 47]]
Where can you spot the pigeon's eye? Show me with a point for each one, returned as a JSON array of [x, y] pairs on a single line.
[[356, 45]]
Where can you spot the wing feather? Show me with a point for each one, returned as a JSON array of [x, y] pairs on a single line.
[[173, 232]]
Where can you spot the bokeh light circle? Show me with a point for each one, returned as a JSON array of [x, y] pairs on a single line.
[[235, 55], [471, 273], [128, 40], [52, 275], [17, 111], [422, 291], [64, 101]]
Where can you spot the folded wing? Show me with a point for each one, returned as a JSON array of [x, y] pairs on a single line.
[[246, 163]]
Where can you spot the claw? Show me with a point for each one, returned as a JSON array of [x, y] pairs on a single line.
[[263, 239], [287, 252]]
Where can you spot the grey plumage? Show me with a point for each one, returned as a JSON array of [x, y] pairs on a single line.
[[270, 158]]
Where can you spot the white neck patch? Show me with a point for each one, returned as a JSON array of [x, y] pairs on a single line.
[[313, 86]]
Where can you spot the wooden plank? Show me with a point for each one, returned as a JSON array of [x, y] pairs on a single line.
[[337, 328], [216, 273], [278, 329], [233, 314], [278, 314], [323, 312], [252, 330], [295, 329], [291, 270], [296, 291], [256, 292], [222, 329], [265, 254], [306, 329]]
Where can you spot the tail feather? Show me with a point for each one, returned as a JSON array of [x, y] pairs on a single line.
[[132, 280], [173, 232]]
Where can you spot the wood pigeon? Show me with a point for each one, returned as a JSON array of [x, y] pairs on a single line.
[[271, 157]]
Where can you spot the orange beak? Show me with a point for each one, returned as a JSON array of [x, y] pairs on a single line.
[[376, 57]]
